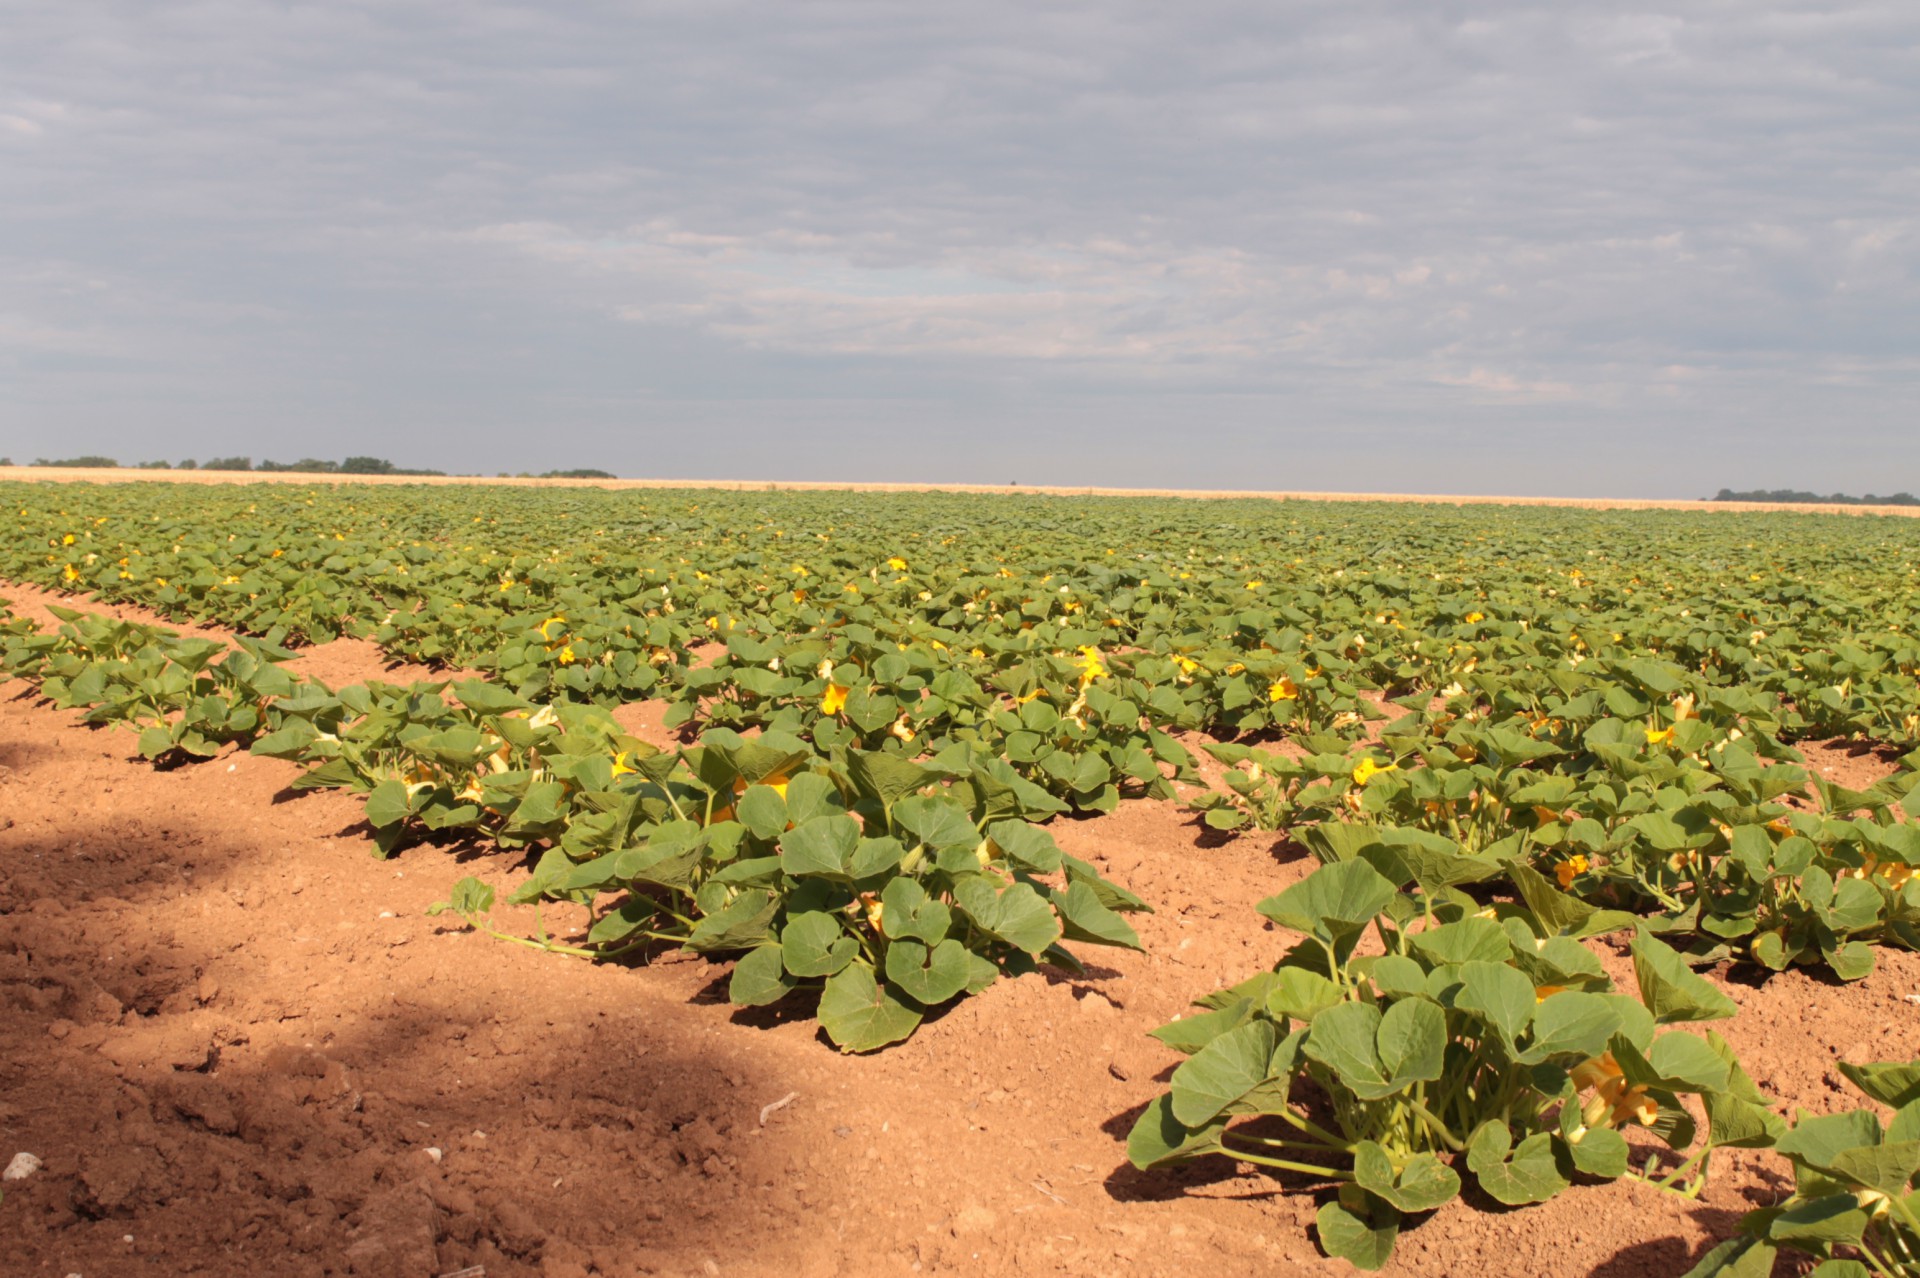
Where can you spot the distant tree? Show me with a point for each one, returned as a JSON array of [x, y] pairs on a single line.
[[366, 466], [156, 465], [89, 462], [579, 472], [188, 464], [228, 463], [1800, 497]]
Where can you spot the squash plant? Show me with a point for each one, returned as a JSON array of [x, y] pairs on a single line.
[[1476, 1043], [1854, 1204]]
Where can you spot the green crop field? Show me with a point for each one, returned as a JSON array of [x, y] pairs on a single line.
[[1502, 731]]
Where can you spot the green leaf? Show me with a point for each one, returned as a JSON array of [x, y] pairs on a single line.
[[1158, 1139], [908, 912], [742, 923], [759, 978], [1422, 1185], [1559, 914], [1886, 1168], [1084, 918], [860, 1015], [1501, 995], [1817, 1139], [1672, 991], [1343, 1038], [1226, 1069], [1017, 915], [1364, 1242], [1026, 845], [1571, 1024], [1334, 900], [1301, 994], [1191, 1033], [1412, 1042], [825, 846], [885, 778], [928, 976], [1820, 1223], [1529, 1175], [1894, 1084], [1736, 1258], [815, 944], [763, 811], [1677, 1062], [1463, 940], [388, 804], [1600, 1152]]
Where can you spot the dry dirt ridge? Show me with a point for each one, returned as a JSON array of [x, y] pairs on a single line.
[[56, 474], [241, 1048]]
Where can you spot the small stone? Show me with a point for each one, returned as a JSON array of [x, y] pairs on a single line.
[[435, 1153], [22, 1166]]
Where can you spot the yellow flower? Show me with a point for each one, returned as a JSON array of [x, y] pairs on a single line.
[[1659, 736], [1368, 770], [1025, 697], [900, 729], [897, 564], [566, 657], [1255, 584], [1187, 664], [1090, 665], [1541, 993], [1614, 1102], [1473, 617], [70, 572], [546, 626], [833, 700], [67, 540], [1570, 869], [621, 767], [1282, 689]]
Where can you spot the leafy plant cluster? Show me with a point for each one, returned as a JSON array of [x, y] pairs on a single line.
[[1480, 1041], [188, 697], [1854, 1204], [882, 886]]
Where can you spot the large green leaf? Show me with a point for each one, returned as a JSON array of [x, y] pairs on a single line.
[[860, 1015], [1334, 900], [1672, 991], [1365, 1242], [1515, 1176], [1226, 1069]]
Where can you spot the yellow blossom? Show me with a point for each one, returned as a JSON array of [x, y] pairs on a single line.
[[567, 656], [546, 627], [833, 700], [897, 564], [1570, 869], [1282, 689], [1367, 770], [70, 573], [1473, 617], [1659, 736]]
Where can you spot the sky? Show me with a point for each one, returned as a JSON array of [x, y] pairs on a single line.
[[1449, 246]]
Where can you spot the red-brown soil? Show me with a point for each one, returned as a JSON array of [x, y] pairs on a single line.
[[234, 1038]]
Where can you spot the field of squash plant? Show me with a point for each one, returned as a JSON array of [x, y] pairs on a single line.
[[1501, 733]]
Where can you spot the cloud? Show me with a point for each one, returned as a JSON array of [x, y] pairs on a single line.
[[1484, 233]]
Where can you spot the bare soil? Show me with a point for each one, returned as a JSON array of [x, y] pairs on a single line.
[[242, 1048], [62, 475]]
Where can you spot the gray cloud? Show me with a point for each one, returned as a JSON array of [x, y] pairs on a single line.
[[1468, 246]]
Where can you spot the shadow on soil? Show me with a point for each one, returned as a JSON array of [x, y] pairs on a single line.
[[242, 1090]]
